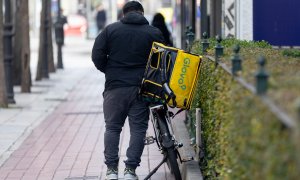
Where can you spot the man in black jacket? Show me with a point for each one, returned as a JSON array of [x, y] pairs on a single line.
[[121, 51]]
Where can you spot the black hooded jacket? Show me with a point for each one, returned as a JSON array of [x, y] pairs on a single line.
[[121, 50]]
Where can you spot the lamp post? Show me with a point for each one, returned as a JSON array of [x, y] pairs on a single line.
[[8, 55], [59, 35]]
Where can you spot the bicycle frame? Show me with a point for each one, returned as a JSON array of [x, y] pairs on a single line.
[[153, 113]]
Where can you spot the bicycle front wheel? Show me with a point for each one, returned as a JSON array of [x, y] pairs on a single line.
[[172, 163]]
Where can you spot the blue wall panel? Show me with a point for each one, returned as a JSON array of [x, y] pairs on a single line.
[[277, 21]]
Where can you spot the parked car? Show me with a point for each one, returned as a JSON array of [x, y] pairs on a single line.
[[76, 25]]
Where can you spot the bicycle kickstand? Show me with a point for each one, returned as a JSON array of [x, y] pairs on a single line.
[[156, 168]]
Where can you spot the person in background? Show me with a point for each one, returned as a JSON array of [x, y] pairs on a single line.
[[121, 52], [64, 20], [63, 17], [101, 18], [159, 22]]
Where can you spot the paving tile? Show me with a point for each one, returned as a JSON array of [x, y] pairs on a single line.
[[77, 172], [11, 163], [4, 174], [12, 178], [16, 174], [24, 163], [61, 175]]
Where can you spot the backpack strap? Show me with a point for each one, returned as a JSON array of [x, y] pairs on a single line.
[[168, 91]]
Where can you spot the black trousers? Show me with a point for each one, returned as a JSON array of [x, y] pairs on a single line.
[[119, 104]]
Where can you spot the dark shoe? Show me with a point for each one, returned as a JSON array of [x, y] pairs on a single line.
[[129, 174], [112, 174]]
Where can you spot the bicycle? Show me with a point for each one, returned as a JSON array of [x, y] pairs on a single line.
[[165, 140], [156, 90]]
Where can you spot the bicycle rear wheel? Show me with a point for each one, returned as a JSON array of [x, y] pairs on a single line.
[[169, 150], [172, 163]]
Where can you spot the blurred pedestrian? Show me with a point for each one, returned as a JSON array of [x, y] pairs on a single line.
[[121, 51], [101, 17], [159, 22], [63, 20]]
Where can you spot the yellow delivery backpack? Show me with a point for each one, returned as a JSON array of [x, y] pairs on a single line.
[[170, 77]]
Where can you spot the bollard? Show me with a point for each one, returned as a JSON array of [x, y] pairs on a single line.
[[218, 49], [205, 43], [261, 77], [236, 60]]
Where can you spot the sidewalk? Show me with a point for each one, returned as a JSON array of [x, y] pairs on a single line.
[[56, 132], [17, 122]]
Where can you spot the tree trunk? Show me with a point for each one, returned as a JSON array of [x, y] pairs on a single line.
[[41, 43], [25, 43], [22, 74], [17, 44], [3, 97], [51, 57], [41, 48]]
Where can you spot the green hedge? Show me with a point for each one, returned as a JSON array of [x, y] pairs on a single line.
[[291, 52], [242, 139], [284, 80]]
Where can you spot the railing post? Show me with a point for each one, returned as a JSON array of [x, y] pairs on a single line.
[[298, 110], [236, 60], [198, 134], [218, 49], [261, 77], [187, 29], [297, 131], [298, 122], [190, 37], [205, 43]]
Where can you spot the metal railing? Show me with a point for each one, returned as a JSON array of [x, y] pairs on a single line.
[[259, 89]]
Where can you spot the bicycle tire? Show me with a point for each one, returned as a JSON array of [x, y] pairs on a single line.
[[170, 152], [172, 163]]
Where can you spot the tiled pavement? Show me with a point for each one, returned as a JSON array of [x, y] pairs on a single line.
[[68, 143]]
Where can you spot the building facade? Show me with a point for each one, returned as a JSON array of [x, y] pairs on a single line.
[[276, 22]]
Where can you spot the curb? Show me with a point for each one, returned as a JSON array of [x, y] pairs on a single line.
[[189, 170]]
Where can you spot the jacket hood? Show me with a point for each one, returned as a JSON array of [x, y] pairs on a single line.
[[134, 18]]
